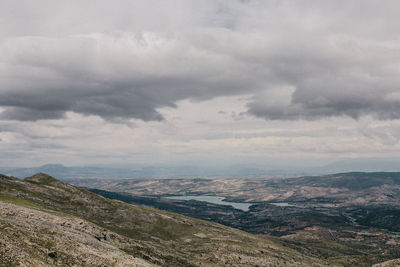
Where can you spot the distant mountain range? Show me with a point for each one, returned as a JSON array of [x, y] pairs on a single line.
[[143, 172], [192, 171], [61, 171]]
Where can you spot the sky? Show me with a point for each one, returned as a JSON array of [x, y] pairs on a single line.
[[210, 82]]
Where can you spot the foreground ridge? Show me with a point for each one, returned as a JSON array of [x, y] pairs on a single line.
[[47, 222]]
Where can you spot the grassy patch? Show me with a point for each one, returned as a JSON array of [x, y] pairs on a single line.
[[18, 201]]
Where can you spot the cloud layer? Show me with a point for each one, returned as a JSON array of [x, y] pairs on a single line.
[[212, 80], [114, 77], [304, 54]]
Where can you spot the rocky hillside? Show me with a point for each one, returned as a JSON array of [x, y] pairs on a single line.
[[45, 222]]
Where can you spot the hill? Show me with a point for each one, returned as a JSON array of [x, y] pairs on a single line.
[[46, 222], [350, 219]]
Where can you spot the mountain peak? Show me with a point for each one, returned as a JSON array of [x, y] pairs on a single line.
[[41, 178]]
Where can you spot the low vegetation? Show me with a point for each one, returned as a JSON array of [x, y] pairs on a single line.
[[45, 222]]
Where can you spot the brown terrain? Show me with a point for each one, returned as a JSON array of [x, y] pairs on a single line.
[[45, 222]]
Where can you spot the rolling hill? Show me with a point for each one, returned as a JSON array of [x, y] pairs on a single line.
[[46, 222]]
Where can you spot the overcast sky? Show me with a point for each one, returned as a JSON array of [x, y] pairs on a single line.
[[198, 82]]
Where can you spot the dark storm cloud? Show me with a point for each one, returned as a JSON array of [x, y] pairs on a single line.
[[299, 60], [126, 76]]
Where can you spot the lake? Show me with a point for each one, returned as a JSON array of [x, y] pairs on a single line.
[[283, 204], [215, 200]]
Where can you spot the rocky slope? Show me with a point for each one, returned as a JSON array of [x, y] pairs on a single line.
[[45, 222], [391, 263], [33, 237], [353, 218]]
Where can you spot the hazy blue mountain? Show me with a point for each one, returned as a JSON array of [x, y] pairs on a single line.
[[366, 165], [143, 172], [136, 171]]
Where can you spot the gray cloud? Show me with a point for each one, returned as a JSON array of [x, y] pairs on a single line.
[[356, 78], [299, 60], [113, 77]]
